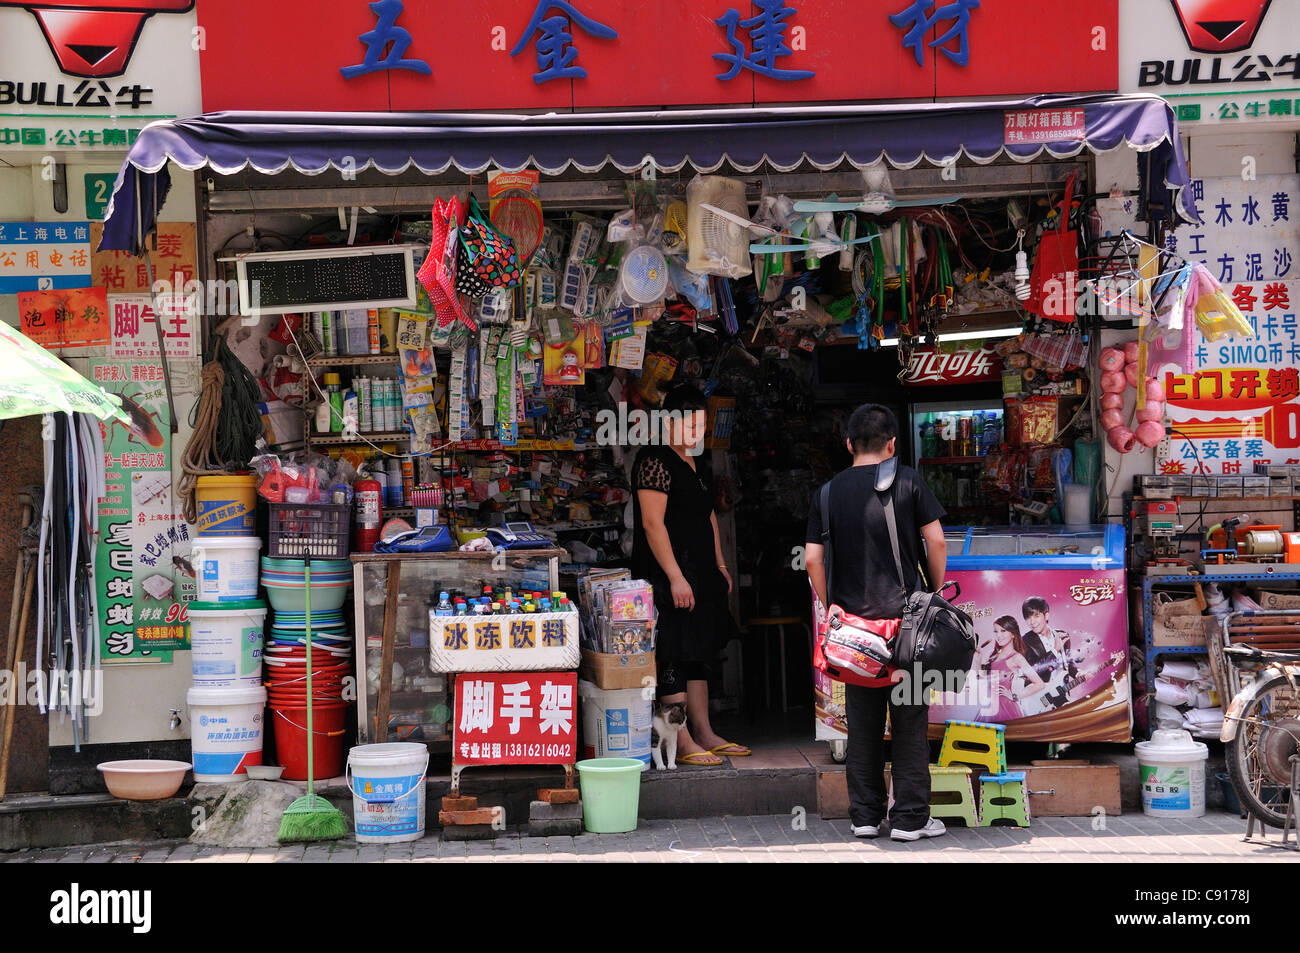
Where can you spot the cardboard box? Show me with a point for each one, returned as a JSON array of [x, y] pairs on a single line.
[[614, 672]]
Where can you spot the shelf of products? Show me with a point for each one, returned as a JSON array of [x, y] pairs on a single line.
[[351, 360], [1185, 585]]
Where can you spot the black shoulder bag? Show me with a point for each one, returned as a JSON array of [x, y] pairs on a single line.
[[934, 634]]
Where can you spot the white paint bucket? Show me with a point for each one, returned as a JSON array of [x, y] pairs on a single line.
[[225, 731], [1172, 770], [226, 567], [387, 782], [226, 643], [616, 723]]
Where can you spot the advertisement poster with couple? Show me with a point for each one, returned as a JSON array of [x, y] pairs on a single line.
[[1051, 657]]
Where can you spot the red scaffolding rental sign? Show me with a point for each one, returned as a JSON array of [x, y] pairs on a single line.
[[515, 718]]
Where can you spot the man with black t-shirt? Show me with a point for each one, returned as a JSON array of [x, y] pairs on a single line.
[[865, 583]]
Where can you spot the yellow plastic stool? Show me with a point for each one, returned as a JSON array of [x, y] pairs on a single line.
[[1003, 797], [946, 782], [976, 744]]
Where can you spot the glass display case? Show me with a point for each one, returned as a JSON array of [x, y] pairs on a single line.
[[419, 705]]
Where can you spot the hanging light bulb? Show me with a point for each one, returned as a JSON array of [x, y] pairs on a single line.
[[1022, 269]]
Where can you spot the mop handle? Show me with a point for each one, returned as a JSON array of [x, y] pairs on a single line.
[[311, 774]]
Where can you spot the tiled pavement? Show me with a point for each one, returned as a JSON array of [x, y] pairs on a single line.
[[1215, 838]]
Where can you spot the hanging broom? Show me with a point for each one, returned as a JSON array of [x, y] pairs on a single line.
[[310, 818]]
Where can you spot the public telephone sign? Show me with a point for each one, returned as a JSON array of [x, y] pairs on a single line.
[[515, 718]]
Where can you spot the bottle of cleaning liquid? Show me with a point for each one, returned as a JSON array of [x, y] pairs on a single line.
[[395, 497], [334, 397], [350, 411]]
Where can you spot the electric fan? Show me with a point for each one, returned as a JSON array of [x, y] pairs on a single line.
[[717, 245], [644, 275]]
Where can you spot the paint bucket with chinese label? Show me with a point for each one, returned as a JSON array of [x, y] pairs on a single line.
[[1172, 770], [226, 643], [227, 505], [226, 567], [616, 723], [387, 782], [225, 731]]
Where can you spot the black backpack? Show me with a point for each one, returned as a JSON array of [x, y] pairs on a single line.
[[934, 634]]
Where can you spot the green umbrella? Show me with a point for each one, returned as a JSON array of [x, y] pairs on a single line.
[[34, 381]]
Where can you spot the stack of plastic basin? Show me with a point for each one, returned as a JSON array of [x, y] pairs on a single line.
[[285, 661]]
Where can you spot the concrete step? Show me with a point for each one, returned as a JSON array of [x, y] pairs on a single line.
[[69, 820]]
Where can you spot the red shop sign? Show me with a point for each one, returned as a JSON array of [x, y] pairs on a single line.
[[931, 367], [516, 718], [590, 54]]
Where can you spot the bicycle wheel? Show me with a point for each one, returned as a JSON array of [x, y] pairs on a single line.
[[1259, 758]]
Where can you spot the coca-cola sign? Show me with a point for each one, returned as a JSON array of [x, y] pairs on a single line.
[[931, 367]]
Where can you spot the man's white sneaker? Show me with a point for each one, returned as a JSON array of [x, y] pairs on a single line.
[[866, 830], [933, 828]]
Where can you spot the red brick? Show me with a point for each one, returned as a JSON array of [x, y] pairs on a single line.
[[459, 803], [558, 795], [484, 815]]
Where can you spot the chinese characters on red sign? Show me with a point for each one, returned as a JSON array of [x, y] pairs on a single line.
[[57, 319], [516, 718], [1042, 125], [931, 366]]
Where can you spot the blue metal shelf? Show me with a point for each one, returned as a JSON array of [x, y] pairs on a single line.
[[1187, 582]]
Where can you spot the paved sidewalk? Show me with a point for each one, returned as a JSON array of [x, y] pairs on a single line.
[[1215, 838]]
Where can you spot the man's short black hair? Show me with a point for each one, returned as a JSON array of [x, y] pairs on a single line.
[[685, 397], [1035, 604], [871, 427]]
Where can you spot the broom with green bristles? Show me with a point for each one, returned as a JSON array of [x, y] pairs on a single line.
[[310, 818]]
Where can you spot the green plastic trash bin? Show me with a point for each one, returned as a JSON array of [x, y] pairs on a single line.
[[611, 793]]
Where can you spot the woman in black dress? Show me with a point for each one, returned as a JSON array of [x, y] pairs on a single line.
[[676, 547]]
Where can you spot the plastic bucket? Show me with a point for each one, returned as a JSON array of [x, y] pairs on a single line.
[[611, 793], [226, 567], [616, 723], [227, 505], [290, 722], [1172, 770], [225, 731], [282, 565], [226, 643], [387, 782], [293, 598]]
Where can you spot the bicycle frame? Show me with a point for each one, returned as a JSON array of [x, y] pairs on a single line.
[[1272, 665]]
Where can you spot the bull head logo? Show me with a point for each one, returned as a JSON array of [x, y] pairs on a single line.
[[95, 38], [1220, 26]]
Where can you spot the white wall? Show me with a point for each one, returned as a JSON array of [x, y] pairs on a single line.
[[137, 697]]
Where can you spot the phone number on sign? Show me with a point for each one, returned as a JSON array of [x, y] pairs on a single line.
[[560, 751]]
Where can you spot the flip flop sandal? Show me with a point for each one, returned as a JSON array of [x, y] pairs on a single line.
[[694, 756], [725, 750]]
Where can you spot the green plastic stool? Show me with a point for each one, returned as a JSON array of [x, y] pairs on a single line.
[[974, 743], [947, 781], [1003, 797]]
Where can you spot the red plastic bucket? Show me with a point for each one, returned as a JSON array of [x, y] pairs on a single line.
[[291, 739]]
